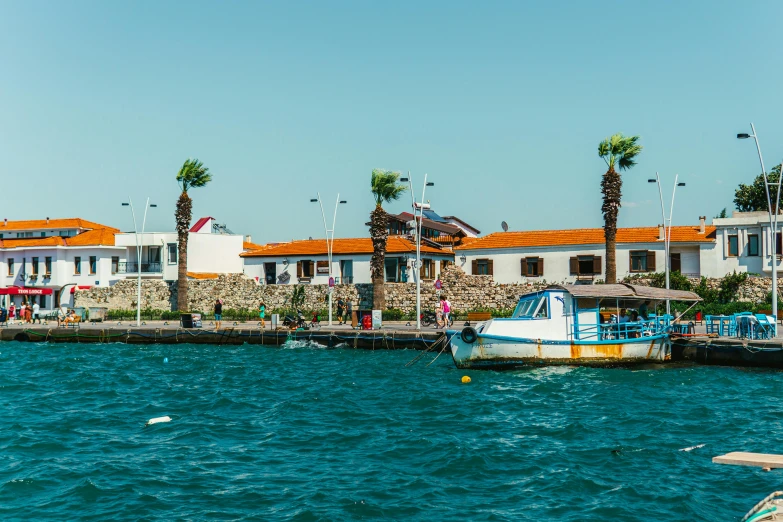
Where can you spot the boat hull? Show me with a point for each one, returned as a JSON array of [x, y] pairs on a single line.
[[492, 352]]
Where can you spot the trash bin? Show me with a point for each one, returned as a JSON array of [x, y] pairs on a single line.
[[81, 312], [275, 321], [98, 313]]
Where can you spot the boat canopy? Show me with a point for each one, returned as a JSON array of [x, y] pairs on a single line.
[[627, 291]]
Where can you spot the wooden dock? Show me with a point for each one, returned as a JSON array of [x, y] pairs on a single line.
[[767, 461], [384, 339]]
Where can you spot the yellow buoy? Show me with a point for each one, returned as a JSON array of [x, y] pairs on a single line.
[[465, 379]]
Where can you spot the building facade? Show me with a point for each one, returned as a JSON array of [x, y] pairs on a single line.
[[307, 261], [578, 256]]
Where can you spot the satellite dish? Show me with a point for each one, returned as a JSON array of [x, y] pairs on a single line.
[[504, 226]]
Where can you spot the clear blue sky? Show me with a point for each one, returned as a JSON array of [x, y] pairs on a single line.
[[501, 103]]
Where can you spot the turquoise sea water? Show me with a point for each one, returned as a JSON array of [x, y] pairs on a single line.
[[306, 433]]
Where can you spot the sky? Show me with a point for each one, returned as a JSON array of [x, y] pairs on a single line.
[[501, 104]]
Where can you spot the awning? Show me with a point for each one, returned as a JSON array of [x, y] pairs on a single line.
[[15, 290], [80, 287]]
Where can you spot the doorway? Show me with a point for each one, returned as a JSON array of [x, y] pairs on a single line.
[[270, 273]]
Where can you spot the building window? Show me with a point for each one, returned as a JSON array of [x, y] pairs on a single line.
[[43, 234], [115, 264], [48, 266], [24, 234], [585, 265], [305, 269], [77, 265], [753, 244], [642, 261], [10, 267], [93, 265], [172, 253], [427, 269], [35, 266], [482, 267], [733, 246], [42, 301], [532, 266]]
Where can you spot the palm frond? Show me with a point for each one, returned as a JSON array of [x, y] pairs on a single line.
[[385, 187], [193, 174]]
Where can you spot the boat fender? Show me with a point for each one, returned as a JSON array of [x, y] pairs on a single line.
[[469, 335]]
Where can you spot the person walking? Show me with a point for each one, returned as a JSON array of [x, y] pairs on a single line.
[[36, 313], [28, 314], [218, 313], [20, 313], [349, 310], [446, 311], [11, 312], [340, 310], [439, 314], [262, 314]]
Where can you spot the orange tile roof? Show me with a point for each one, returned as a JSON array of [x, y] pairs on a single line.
[[363, 245], [41, 224], [202, 275], [251, 246], [97, 237], [585, 236]]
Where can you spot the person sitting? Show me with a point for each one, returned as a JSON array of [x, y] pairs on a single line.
[[624, 316], [61, 315], [71, 318]]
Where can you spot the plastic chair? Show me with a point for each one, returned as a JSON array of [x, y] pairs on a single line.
[[764, 329], [699, 317]]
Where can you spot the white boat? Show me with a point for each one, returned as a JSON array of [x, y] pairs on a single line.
[[571, 324], [768, 510]]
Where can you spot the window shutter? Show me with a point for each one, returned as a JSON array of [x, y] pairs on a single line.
[[489, 267], [650, 261], [474, 267], [311, 266], [421, 268], [630, 261], [298, 269], [574, 264], [596, 264], [523, 262], [541, 267]]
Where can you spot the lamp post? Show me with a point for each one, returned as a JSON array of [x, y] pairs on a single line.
[[773, 219], [329, 241], [138, 252], [417, 224], [667, 232]]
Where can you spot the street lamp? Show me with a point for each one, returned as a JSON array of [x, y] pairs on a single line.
[[417, 224], [667, 233], [773, 219], [329, 241], [138, 252]]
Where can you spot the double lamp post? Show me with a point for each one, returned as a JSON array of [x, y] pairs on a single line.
[[417, 223], [329, 243], [138, 252]]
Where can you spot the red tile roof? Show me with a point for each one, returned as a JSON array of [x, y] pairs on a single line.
[[200, 223], [52, 224], [363, 245], [585, 236], [97, 237]]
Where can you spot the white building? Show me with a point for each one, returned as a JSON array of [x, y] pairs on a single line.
[[44, 261], [578, 255], [307, 261], [212, 250], [744, 243]]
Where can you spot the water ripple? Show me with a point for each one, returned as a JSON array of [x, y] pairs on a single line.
[[305, 433]]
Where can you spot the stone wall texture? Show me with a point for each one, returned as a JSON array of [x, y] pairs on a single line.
[[465, 292]]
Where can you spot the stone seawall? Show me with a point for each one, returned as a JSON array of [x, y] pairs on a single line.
[[240, 292], [465, 292]]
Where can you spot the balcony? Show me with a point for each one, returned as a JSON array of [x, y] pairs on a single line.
[[132, 267]]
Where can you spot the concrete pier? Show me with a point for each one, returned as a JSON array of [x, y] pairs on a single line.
[[729, 351], [383, 339]]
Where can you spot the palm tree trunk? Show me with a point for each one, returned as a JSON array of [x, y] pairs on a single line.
[[183, 215], [379, 231], [612, 190]]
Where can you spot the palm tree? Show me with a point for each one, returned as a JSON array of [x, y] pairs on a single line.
[[620, 151], [192, 174], [384, 189]]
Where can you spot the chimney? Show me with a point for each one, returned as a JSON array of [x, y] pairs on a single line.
[[661, 233], [247, 239], [47, 220], [5, 222], [702, 224]]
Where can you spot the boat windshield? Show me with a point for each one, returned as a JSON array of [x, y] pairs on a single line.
[[535, 307]]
